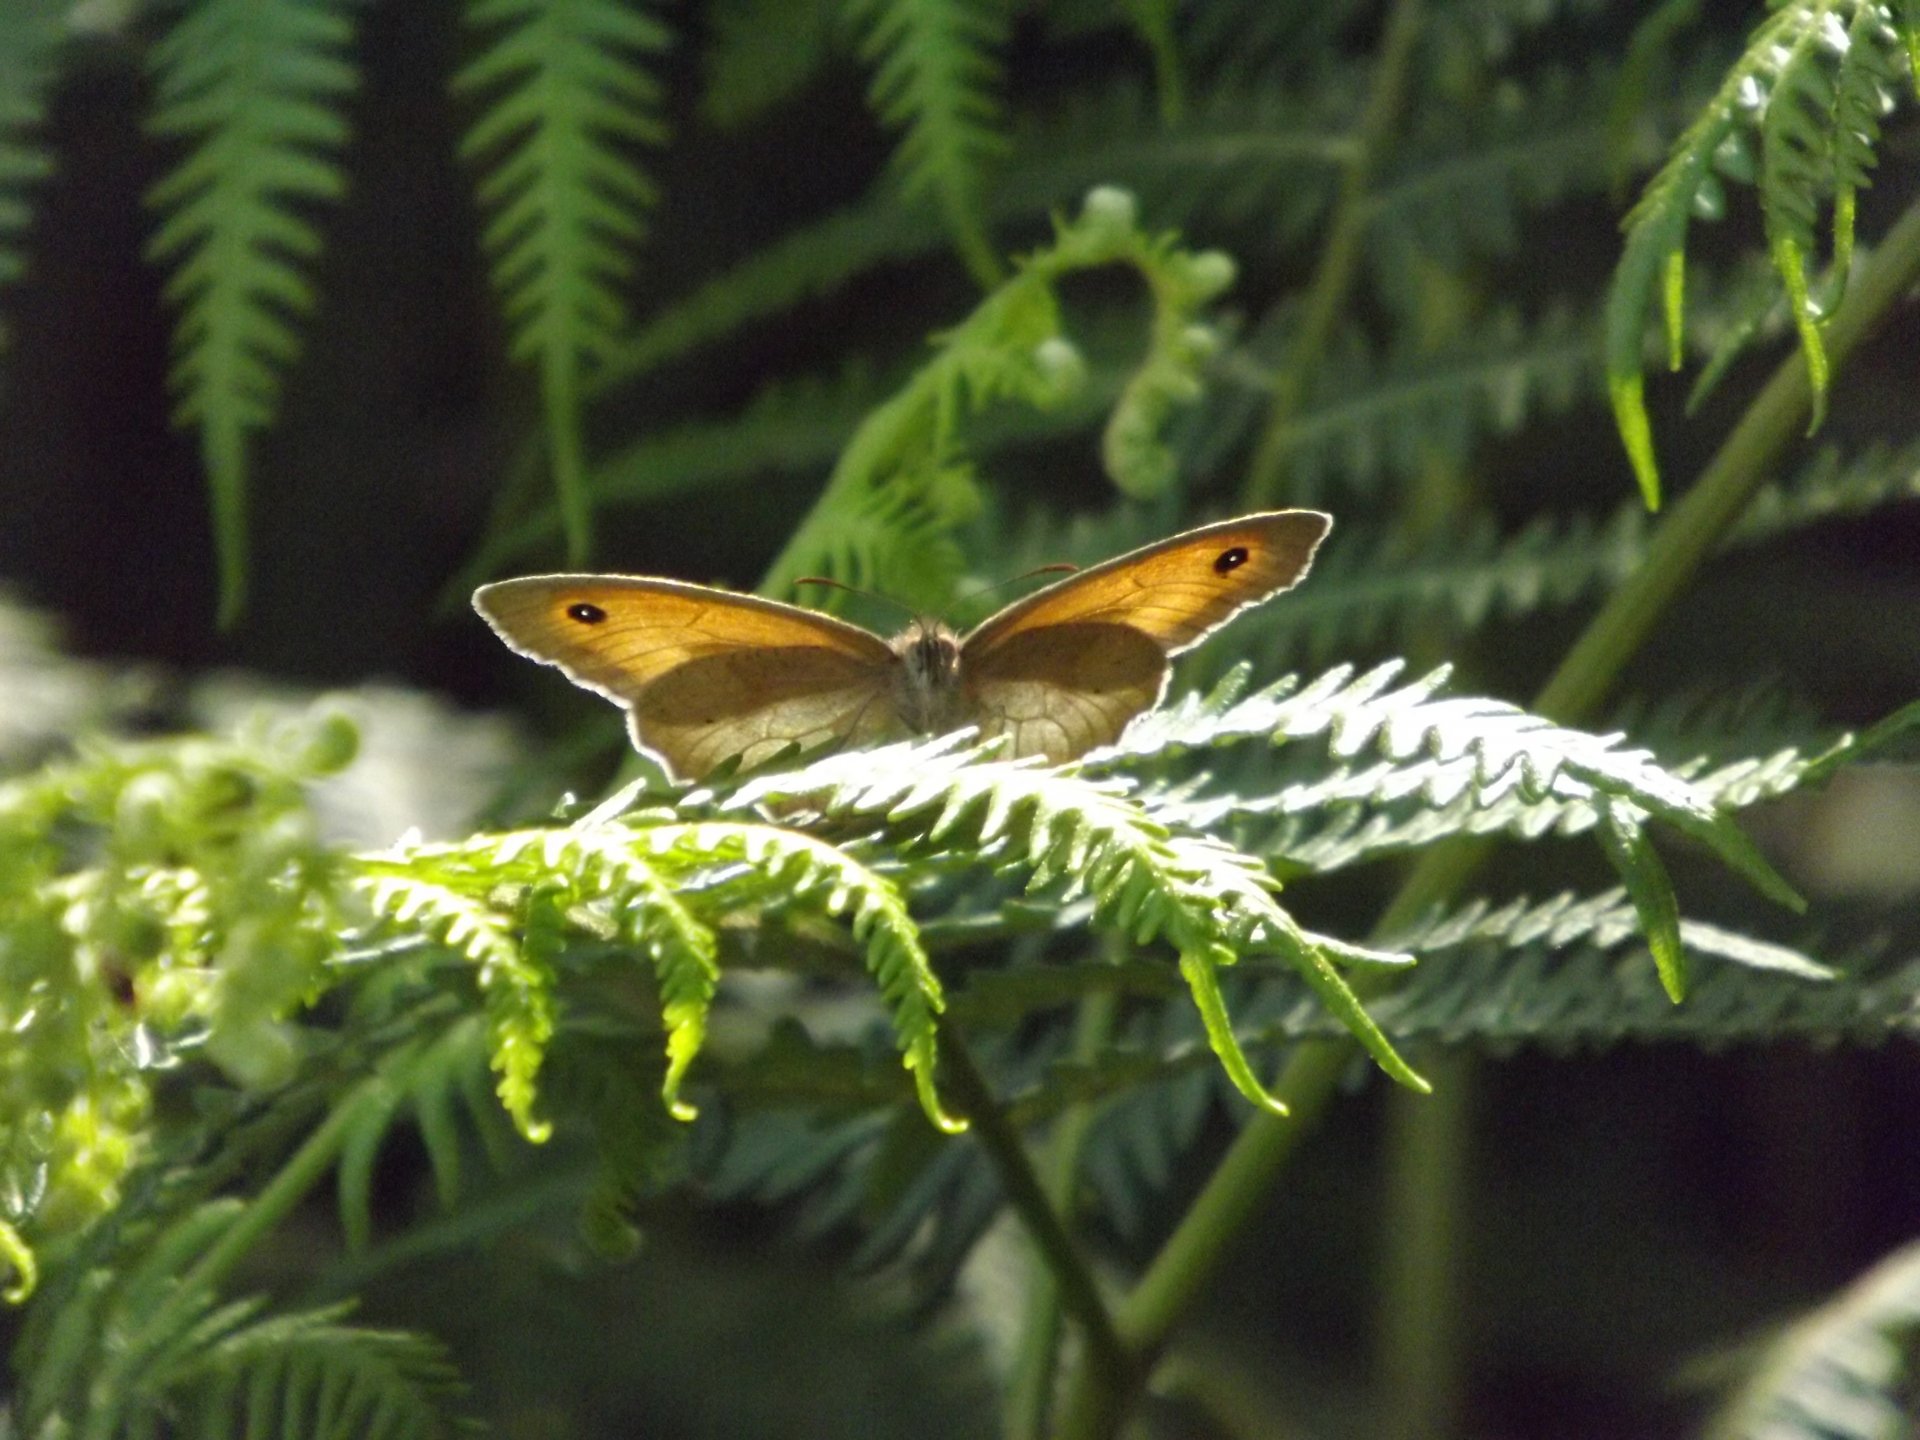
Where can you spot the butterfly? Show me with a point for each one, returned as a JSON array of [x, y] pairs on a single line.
[[707, 674]]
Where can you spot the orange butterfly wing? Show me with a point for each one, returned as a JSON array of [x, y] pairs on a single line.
[[1065, 669], [704, 674]]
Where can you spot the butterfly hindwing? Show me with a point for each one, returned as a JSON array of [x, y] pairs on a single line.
[[1061, 690], [755, 702]]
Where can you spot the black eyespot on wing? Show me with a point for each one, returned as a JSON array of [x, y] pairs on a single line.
[[1228, 561], [586, 614]]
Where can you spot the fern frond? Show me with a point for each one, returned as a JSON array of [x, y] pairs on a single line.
[[1244, 150], [256, 90], [937, 79], [1250, 149], [795, 428], [163, 1356], [1842, 1372], [815, 260], [427, 1075], [1462, 185], [638, 884], [517, 986], [903, 475], [1473, 754], [1808, 90], [1490, 30], [1374, 590], [648, 915], [1366, 417], [308, 1374], [1425, 787], [1567, 973], [1564, 974], [125, 1323], [568, 99], [30, 36], [809, 868], [1264, 38], [1072, 837]]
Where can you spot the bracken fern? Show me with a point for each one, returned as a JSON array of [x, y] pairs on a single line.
[[255, 92], [567, 100]]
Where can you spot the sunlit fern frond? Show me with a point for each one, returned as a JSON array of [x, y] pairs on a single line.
[[1071, 837], [255, 92], [1389, 782], [1798, 116], [451, 904], [513, 901], [905, 474]]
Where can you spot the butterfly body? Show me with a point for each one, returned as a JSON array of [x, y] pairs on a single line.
[[927, 684], [707, 674]]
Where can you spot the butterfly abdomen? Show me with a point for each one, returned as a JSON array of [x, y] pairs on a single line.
[[926, 684]]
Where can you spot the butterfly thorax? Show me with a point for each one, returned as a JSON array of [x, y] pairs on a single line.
[[927, 693]]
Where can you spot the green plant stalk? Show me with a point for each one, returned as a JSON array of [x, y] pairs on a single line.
[[1417, 1356], [1153, 22], [1074, 1282], [1031, 1392], [1429, 1143], [297, 1176], [1340, 256], [566, 455], [223, 445], [1693, 528]]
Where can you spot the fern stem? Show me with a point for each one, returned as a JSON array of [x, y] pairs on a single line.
[[1186, 1264], [561, 393], [1074, 1283], [1340, 257], [223, 446], [1308, 1080], [1031, 1391], [1153, 22], [1419, 1361], [278, 1197]]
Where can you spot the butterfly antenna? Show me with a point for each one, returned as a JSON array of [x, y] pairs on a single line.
[[1061, 567], [831, 583]]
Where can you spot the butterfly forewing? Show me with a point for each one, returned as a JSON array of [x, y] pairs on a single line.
[[1065, 669], [705, 674], [1177, 591]]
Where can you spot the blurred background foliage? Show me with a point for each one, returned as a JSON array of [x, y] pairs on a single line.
[[297, 350]]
